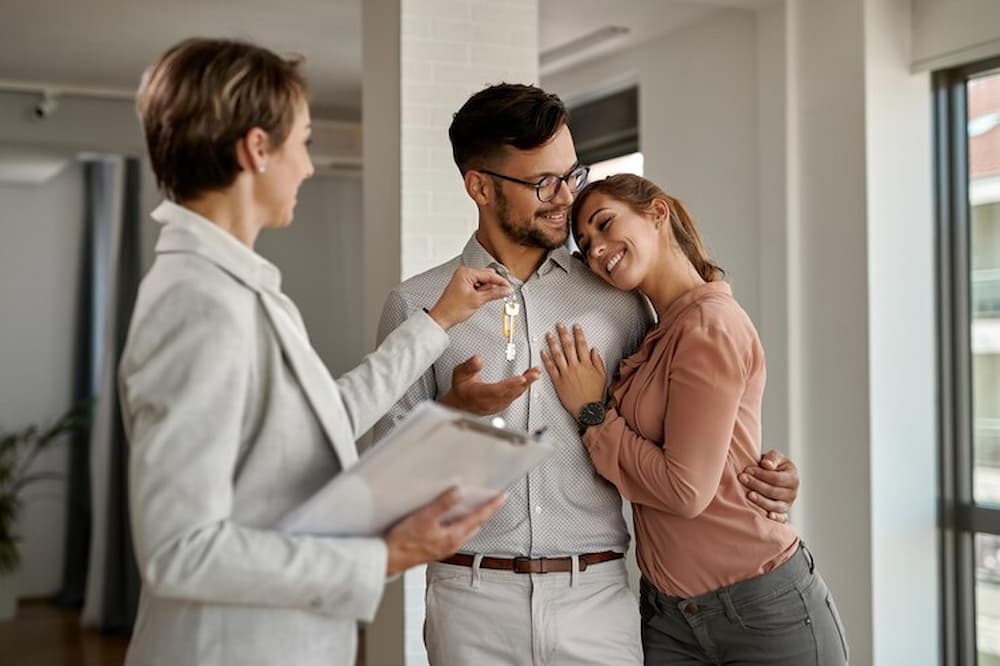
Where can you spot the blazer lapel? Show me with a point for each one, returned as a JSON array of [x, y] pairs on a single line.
[[185, 232], [316, 382]]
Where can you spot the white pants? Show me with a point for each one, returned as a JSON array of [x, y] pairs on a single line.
[[482, 617]]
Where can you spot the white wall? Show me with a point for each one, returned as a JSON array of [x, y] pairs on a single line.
[[862, 321], [828, 311], [321, 266], [40, 255], [947, 33], [772, 184], [902, 342]]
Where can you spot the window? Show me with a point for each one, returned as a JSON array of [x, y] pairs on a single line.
[[606, 127], [968, 157], [631, 163]]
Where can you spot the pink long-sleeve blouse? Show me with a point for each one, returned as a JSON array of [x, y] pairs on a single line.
[[684, 421]]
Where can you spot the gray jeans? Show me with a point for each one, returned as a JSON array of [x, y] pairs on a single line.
[[785, 617]]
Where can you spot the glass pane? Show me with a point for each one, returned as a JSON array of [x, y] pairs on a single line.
[[631, 163], [988, 599], [984, 252]]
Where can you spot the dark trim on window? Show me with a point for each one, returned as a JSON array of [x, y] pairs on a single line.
[[606, 127], [960, 517]]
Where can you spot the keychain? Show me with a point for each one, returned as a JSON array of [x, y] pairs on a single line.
[[510, 311]]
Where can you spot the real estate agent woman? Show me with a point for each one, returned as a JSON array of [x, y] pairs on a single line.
[[231, 416]]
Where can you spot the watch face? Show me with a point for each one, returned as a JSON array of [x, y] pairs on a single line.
[[592, 413]]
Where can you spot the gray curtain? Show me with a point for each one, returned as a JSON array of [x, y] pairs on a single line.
[[100, 570], [94, 251]]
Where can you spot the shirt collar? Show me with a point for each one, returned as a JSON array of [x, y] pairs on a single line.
[[476, 256], [187, 231]]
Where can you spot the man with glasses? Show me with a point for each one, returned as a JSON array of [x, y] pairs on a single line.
[[545, 579]]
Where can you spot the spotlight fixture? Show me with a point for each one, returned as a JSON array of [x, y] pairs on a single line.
[[46, 106]]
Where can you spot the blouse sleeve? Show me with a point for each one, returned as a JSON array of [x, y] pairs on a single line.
[[705, 383]]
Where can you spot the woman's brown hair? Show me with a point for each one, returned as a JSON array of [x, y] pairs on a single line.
[[201, 97], [638, 194]]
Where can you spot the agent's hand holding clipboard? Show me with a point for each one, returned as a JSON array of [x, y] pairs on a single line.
[[438, 469]]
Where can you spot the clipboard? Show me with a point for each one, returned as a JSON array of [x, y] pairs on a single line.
[[428, 451]]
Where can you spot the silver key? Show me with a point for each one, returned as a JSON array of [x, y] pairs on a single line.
[[510, 311]]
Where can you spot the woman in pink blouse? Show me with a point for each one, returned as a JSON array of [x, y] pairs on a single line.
[[722, 584]]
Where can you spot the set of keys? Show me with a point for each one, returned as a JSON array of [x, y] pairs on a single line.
[[511, 309]]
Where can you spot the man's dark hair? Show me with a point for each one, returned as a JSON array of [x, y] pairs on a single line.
[[507, 114]]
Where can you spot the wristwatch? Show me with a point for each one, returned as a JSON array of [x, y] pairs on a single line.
[[591, 414]]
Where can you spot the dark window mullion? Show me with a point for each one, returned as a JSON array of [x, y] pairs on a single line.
[[978, 519], [958, 579], [965, 570], [947, 511]]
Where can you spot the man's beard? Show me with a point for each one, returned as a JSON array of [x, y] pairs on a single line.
[[525, 232]]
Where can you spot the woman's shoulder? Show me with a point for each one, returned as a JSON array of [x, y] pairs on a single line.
[[185, 291], [183, 275], [716, 310]]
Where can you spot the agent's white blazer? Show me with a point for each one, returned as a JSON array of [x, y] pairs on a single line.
[[233, 420]]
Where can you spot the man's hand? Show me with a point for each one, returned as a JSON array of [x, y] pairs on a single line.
[[471, 394], [423, 537], [773, 484]]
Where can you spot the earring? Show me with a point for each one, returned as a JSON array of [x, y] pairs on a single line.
[[261, 169], [659, 223]]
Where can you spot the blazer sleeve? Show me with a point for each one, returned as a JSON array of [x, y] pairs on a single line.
[[402, 357], [184, 378], [395, 312], [705, 381]]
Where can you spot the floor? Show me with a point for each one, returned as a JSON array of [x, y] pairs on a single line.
[[47, 635]]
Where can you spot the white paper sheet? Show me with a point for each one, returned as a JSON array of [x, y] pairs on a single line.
[[430, 450]]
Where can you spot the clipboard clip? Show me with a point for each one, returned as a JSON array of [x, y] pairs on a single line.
[[513, 438]]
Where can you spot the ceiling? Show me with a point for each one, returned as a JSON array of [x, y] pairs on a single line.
[[107, 43]]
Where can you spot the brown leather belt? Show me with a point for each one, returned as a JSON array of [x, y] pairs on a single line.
[[538, 565]]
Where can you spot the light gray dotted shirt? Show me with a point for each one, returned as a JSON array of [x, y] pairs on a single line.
[[562, 507]]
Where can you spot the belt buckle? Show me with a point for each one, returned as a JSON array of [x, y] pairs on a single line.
[[522, 564]]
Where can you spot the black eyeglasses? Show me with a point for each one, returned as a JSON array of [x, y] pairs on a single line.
[[547, 188]]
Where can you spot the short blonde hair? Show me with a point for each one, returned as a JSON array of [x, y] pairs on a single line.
[[201, 97]]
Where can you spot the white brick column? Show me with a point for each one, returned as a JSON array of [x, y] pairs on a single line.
[[421, 60], [450, 49]]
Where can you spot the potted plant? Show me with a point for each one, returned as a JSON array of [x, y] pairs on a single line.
[[18, 451]]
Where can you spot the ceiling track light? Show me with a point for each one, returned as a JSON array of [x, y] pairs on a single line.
[[46, 105]]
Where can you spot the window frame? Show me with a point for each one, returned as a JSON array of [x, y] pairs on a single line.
[[960, 517]]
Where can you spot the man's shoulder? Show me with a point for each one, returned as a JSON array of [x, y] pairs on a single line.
[[586, 281]]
